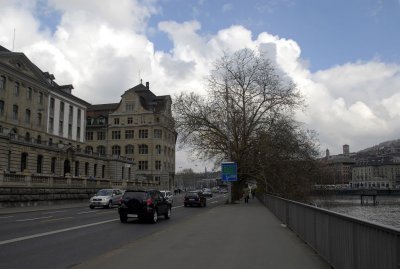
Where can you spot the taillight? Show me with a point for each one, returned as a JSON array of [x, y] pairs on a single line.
[[149, 201]]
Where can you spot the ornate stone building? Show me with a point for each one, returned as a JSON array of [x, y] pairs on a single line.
[[43, 127], [140, 128]]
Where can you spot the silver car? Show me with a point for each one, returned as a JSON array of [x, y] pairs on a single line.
[[106, 198], [168, 195]]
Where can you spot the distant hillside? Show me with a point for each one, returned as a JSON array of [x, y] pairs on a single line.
[[392, 146]]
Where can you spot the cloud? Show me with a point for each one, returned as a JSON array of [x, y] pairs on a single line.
[[103, 48]]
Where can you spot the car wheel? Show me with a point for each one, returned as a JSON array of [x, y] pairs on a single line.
[[154, 217], [91, 206], [168, 214], [109, 204], [123, 218], [185, 205]]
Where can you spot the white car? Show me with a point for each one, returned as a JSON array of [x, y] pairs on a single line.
[[168, 195], [106, 198]]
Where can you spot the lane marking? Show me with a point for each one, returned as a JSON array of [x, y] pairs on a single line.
[[177, 206], [103, 213], [54, 232], [213, 202], [6, 217], [85, 212], [47, 217], [52, 212], [56, 219]]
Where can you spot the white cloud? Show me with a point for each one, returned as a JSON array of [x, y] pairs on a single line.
[[102, 49]]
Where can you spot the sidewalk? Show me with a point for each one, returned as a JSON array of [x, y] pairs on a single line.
[[242, 236]]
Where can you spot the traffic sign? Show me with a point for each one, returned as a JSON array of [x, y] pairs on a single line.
[[229, 171]]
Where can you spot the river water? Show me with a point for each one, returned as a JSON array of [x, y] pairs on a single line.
[[387, 211]]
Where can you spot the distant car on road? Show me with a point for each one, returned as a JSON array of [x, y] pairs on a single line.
[[144, 205], [168, 195], [207, 192], [195, 198], [106, 198]]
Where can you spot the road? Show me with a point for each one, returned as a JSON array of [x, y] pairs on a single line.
[[64, 237]]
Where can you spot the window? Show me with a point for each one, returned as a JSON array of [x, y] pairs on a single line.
[[89, 136], [2, 82], [29, 94], [52, 106], [158, 149], [101, 150], [39, 139], [61, 110], [78, 132], [16, 89], [101, 135], [122, 172], [143, 165], [1, 107], [130, 120], [89, 121], [116, 134], [39, 164], [129, 107], [27, 116], [158, 165], [129, 134], [71, 113], [77, 168], [51, 124], [129, 149], [24, 161], [15, 112], [40, 98], [95, 170], [142, 119], [27, 137], [101, 121], [39, 119], [143, 133], [53, 165], [103, 171], [88, 149], [116, 150], [79, 117], [157, 133], [143, 149], [69, 130], [116, 121], [86, 169], [60, 127]]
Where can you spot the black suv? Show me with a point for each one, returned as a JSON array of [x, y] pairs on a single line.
[[145, 205]]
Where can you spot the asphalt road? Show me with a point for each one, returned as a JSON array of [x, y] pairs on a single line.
[[64, 237]]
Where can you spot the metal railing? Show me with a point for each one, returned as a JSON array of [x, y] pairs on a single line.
[[343, 241]]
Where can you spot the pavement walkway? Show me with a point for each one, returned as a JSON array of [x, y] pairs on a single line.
[[242, 236]]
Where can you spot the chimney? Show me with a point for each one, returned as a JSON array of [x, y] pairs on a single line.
[[147, 85], [327, 153]]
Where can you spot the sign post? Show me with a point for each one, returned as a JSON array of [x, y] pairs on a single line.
[[229, 174]]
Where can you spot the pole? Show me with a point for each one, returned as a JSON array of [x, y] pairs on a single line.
[[229, 138]]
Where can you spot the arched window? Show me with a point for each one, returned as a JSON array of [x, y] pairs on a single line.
[[88, 149], [39, 164], [129, 149], [53, 165], [86, 169], [116, 150], [27, 137], [158, 149], [39, 139], [101, 150], [143, 149]]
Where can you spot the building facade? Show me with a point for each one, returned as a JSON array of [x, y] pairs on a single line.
[[43, 130], [140, 128]]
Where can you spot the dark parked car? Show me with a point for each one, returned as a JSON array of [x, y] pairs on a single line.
[[145, 205], [195, 198]]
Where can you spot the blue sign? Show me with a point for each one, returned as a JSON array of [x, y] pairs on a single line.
[[229, 171]]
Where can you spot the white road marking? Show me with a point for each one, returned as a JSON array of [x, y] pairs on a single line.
[[56, 219], [213, 202], [6, 217], [54, 232], [47, 217], [85, 212], [177, 206], [53, 212]]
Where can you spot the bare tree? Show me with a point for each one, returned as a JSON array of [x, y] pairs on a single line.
[[246, 95]]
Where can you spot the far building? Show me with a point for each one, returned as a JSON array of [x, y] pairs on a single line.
[[140, 128]]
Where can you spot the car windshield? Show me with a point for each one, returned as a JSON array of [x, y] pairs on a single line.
[[104, 193], [139, 195]]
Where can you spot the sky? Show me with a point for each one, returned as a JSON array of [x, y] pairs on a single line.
[[344, 55]]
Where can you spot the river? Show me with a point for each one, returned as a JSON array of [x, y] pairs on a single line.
[[387, 211]]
